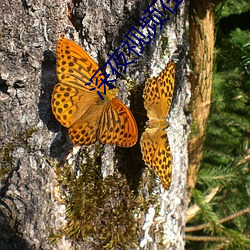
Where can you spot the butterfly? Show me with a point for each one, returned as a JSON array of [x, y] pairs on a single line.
[[157, 95], [88, 118]]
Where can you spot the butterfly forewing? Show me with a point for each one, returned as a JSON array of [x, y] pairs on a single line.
[[63, 105], [166, 87], [74, 66], [158, 93], [77, 105]]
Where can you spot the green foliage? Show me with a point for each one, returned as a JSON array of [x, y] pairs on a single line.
[[207, 211], [226, 153], [218, 176], [230, 7]]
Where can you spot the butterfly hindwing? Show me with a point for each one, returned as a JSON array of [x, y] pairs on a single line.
[[84, 131], [118, 125], [77, 105], [156, 153], [158, 93]]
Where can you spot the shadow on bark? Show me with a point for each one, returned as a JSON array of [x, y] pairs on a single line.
[[61, 145], [9, 239], [130, 159]]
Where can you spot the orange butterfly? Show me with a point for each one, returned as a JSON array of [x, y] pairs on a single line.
[[75, 106], [158, 93]]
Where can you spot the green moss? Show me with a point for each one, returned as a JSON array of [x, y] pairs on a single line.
[[164, 45], [105, 212], [131, 84], [5, 161], [28, 133], [19, 140]]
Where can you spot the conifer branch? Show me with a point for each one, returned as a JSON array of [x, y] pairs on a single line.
[[230, 217], [245, 159], [194, 209], [205, 238]]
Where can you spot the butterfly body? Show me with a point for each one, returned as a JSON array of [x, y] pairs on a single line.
[[158, 93], [157, 123], [80, 109]]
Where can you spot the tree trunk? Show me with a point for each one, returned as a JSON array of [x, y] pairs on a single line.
[[201, 40], [54, 195]]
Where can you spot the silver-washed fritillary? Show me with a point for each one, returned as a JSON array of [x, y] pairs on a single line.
[[88, 117], [158, 93]]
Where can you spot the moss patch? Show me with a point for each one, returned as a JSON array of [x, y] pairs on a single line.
[[102, 212], [20, 140]]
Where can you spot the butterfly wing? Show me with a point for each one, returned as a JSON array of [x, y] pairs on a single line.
[[158, 93], [81, 110], [117, 125], [74, 66], [156, 153], [85, 130], [69, 103], [71, 97]]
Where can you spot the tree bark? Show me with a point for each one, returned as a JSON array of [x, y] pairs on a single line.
[[46, 184], [201, 40]]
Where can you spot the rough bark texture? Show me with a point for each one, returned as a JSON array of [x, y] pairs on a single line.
[[201, 40], [32, 142]]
